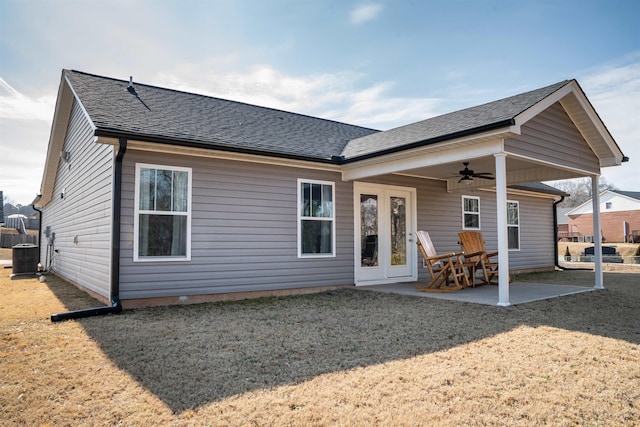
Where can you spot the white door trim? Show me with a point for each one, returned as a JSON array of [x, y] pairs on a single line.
[[381, 274]]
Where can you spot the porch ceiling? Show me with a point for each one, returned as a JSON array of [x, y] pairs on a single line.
[[518, 171], [445, 163]]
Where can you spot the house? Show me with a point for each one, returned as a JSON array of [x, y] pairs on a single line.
[[619, 217], [156, 196], [562, 222]]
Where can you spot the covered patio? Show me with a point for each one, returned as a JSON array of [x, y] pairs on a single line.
[[548, 134], [519, 292]]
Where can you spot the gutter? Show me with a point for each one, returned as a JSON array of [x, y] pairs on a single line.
[[33, 206], [116, 305], [180, 142], [335, 160], [555, 231]]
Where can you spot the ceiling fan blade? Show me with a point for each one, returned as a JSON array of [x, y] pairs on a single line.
[[484, 175]]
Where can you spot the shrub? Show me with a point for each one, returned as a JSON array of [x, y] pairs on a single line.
[[567, 253]]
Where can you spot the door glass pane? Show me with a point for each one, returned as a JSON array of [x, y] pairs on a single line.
[[398, 231], [369, 230]]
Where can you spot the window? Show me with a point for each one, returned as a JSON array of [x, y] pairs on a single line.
[[316, 219], [162, 223], [608, 205], [513, 225], [470, 213]]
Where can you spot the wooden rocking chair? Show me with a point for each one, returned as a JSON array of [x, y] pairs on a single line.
[[475, 252], [448, 272]]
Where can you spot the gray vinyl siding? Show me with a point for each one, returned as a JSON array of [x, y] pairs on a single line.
[[85, 211], [244, 231], [551, 136]]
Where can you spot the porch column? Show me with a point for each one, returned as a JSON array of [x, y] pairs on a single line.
[[597, 231], [503, 240]]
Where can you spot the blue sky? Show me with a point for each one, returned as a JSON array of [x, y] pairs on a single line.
[[379, 64]]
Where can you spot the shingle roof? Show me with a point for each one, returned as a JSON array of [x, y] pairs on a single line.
[[482, 117], [156, 113], [539, 187], [175, 117]]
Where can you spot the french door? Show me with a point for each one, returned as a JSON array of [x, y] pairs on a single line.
[[385, 250]]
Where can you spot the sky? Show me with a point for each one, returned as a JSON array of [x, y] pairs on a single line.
[[378, 64]]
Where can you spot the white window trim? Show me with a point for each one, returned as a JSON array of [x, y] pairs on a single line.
[[472, 213], [512, 225], [137, 212], [300, 218]]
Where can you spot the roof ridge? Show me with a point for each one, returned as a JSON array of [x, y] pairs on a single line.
[[221, 99]]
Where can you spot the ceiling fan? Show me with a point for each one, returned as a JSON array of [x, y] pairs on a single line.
[[468, 175]]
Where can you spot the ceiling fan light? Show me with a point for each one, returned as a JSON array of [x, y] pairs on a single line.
[[467, 179]]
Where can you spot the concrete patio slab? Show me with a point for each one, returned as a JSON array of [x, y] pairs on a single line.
[[519, 292]]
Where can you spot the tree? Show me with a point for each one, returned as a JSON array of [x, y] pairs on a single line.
[[579, 190]]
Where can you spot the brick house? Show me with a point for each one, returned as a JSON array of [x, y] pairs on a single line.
[[619, 217]]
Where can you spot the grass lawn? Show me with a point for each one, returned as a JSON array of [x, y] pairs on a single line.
[[342, 358]]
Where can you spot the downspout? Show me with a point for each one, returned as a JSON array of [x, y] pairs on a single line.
[[116, 306], [33, 206], [555, 231]]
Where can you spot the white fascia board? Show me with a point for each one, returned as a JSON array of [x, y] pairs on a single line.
[[558, 96], [597, 122], [547, 102], [84, 111], [610, 161], [429, 155], [61, 116]]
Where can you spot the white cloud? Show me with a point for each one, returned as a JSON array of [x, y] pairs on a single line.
[[614, 92], [24, 133], [15, 105], [364, 13], [333, 96]]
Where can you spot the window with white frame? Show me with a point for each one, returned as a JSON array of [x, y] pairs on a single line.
[[513, 225], [316, 218], [470, 213], [162, 223]]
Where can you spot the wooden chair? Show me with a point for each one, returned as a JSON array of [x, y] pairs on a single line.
[[448, 272], [475, 252]]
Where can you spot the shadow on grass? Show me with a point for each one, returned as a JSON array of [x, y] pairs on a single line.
[[190, 356]]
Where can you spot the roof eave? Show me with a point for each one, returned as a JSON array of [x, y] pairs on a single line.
[[61, 116], [115, 133]]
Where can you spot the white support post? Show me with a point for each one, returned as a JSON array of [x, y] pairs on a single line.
[[597, 232], [503, 240]]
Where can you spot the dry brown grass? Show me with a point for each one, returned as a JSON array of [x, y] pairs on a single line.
[[343, 358], [6, 253]]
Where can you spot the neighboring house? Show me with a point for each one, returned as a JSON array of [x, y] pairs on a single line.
[[155, 196], [619, 217], [562, 223]]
